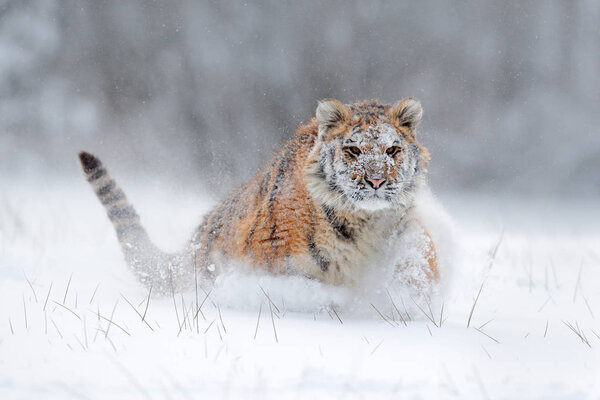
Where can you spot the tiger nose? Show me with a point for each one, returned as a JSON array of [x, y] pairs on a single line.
[[375, 183]]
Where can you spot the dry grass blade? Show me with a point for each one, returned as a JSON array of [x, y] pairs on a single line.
[[588, 306], [183, 312], [376, 347], [209, 325], [595, 333], [56, 327], [270, 301], [112, 344], [546, 330], [31, 286], [112, 314], [181, 327], [578, 332], [67, 289], [67, 308], [482, 332], [381, 315], [577, 284], [486, 352], [546, 302], [47, 296], [474, 304], [442, 315], [494, 251], [431, 312], [80, 343], [273, 321], [425, 314], [25, 313], [396, 308], [94, 294], [12, 331], [111, 322], [329, 313], [85, 333], [481, 326], [221, 318], [201, 304], [257, 321], [336, 314], [147, 304], [137, 312], [175, 305]]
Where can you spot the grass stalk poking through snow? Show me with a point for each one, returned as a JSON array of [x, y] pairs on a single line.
[[429, 317], [147, 304], [273, 322], [67, 289], [577, 331], [494, 251], [257, 321], [47, 296], [67, 308], [25, 313], [137, 312], [381, 315], [396, 308], [31, 286], [336, 314], [474, 304], [93, 294]]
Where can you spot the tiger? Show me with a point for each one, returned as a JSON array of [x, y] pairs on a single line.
[[334, 200]]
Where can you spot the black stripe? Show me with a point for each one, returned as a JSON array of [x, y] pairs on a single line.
[[121, 212], [215, 227], [114, 197], [321, 172], [341, 230], [286, 163], [253, 227], [97, 175], [331, 182], [262, 191], [322, 261], [262, 188], [104, 190]]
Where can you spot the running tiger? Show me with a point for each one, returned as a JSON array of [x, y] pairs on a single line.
[[334, 201]]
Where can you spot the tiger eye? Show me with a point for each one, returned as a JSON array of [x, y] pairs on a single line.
[[392, 151], [352, 150]]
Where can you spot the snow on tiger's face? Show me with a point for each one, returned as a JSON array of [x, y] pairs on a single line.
[[368, 158]]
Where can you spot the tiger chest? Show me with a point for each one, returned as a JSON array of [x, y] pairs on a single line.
[[341, 250]]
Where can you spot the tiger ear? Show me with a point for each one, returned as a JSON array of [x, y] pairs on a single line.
[[330, 113], [407, 112]]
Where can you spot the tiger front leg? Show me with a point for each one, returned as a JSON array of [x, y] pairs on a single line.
[[417, 262]]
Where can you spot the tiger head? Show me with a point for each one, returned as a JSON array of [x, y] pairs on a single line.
[[366, 155]]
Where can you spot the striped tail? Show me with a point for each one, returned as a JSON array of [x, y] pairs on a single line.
[[162, 271]]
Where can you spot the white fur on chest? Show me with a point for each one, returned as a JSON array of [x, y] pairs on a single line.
[[371, 247]]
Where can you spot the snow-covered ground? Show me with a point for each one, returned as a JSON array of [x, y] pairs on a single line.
[[527, 275]]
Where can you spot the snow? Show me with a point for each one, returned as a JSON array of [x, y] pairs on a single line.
[[544, 275]]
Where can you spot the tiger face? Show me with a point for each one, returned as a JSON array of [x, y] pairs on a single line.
[[368, 157]]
